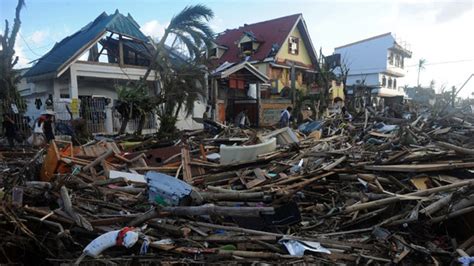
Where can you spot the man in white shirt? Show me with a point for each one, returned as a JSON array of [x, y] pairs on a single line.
[[285, 117]]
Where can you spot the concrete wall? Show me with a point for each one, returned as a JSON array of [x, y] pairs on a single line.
[[187, 123], [372, 79], [365, 57], [32, 91], [270, 110]]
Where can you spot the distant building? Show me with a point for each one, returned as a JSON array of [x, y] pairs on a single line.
[[377, 62], [421, 95]]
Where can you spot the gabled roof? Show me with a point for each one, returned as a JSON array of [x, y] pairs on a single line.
[[72, 46], [364, 40], [227, 69], [271, 33]]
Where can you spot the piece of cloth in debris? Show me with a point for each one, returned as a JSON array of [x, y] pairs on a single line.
[[298, 247]]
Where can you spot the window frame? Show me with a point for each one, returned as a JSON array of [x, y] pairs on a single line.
[[292, 40], [246, 43]]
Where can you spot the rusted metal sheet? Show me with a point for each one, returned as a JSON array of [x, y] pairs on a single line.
[[156, 157]]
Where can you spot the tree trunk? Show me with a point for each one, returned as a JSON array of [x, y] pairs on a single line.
[[156, 55], [123, 127], [141, 124]]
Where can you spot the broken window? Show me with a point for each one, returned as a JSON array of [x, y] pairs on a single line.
[[213, 52], [293, 45], [246, 47]]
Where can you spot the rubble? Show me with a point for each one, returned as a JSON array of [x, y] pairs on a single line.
[[375, 190]]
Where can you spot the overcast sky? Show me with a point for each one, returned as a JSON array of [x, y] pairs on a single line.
[[439, 31]]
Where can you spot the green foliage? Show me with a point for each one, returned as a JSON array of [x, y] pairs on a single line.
[[134, 102], [191, 28], [183, 85], [181, 81]]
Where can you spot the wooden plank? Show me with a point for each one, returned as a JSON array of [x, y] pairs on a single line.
[[416, 168], [257, 181], [203, 152], [185, 160], [51, 162]]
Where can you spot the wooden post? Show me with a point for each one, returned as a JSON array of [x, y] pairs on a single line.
[[421, 193], [185, 160], [98, 160], [121, 55]]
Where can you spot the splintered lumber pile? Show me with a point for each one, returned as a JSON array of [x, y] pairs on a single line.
[[376, 190]]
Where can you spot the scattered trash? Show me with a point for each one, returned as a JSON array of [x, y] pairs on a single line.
[[373, 190], [125, 237], [298, 247], [242, 154]]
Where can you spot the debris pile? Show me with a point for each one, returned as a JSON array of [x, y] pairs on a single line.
[[376, 190]]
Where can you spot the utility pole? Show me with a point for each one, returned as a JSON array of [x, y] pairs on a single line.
[[293, 84], [453, 96]]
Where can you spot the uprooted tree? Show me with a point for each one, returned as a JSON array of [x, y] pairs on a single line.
[[180, 79], [9, 78]]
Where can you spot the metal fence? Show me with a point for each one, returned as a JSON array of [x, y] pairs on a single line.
[[99, 113], [151, 125], [21, 121], [94, 111]]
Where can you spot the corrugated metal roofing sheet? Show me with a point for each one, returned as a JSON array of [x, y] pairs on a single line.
[[271, 33], [67, 48]]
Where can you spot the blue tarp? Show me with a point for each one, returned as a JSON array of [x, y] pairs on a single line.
[[308, 127]]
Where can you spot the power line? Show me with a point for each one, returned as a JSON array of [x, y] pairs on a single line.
[[416, 65], [27, 45]]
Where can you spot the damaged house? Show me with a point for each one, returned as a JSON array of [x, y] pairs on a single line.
[[79, 76], [253, 69]]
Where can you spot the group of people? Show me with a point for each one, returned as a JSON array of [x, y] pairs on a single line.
[[43, 129]]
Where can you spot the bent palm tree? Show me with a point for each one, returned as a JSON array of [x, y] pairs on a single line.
[[181, 81], [191, 28], [178, 78]]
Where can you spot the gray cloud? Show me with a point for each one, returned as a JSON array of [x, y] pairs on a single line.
[[451, 10], [443, 11]]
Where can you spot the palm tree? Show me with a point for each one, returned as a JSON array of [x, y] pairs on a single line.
[[421, 65], [181, 82], [190, 27]]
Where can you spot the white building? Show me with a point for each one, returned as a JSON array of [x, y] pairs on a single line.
[[377, 62], [79, 76]]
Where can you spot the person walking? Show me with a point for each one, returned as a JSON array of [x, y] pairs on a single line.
[[9, 130], [242, 120], [285, 117], [48, 125]]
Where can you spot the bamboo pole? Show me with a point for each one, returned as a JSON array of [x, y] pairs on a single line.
[[382, 202], [437, 205], [452, 214], [98, 160]]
